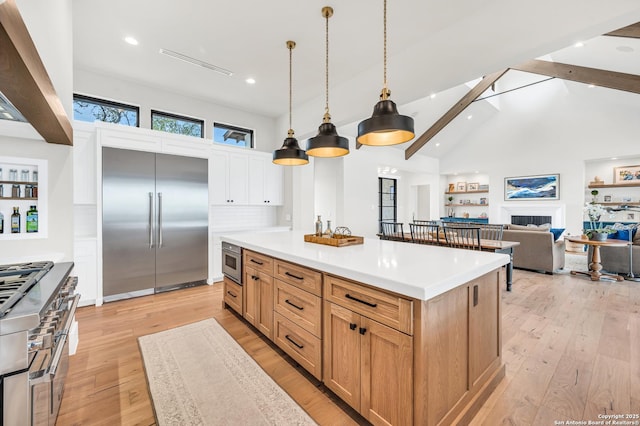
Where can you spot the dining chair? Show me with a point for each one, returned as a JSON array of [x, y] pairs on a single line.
[[426, 222], [465, 237], [425, 233], [392, 231], [490, 231]]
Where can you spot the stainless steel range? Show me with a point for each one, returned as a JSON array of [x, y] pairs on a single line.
[[37, 305]]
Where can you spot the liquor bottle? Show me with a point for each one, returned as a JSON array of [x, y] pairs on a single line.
[[1, 223], [319, 227], [32, 220], [328, 232], [15, 221]]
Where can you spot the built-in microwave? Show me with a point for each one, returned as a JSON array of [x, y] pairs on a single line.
[[232, 262]]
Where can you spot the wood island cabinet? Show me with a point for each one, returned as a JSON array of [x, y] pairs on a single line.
[[396, 360]]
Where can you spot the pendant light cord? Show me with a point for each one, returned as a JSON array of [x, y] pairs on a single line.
[[290, 46], [326, 66], [385, 92]]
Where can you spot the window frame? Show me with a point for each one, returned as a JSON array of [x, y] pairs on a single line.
[[380, 205], [110, 103], [232, 127], [178, 117]]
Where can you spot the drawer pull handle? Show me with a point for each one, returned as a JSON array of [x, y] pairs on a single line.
[[300, 308], [352, 326], [292, 341], [348, 296], [231, 294], [256, 261], [255, 278], [363, 330], [289, 274]]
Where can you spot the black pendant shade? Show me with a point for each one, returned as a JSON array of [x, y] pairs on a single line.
[[327, 143], [386, 126], [290, 154]]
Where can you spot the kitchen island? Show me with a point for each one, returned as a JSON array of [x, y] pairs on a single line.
[[404, 333]]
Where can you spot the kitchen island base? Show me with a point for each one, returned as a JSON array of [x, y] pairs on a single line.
[[396, 360]]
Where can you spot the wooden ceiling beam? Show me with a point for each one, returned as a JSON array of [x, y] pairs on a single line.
[[631, 31], [24, 79], [598, 77], [462, 104]]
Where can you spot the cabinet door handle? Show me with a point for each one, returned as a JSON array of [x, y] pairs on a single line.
[[231, 294], [292, 341], [294, 305], [255, 261], [255, 278], [151, 220], [159, 219], [362, 330], [289, 274], [352, 326], [475, 295], [348, 296]]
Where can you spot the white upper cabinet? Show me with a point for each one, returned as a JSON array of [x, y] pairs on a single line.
[[265, 181], [228, 175]]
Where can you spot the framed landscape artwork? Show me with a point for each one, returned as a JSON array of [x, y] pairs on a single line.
[[626, 175], [540, 187]]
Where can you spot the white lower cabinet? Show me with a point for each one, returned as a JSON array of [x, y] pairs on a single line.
[[85, 268]]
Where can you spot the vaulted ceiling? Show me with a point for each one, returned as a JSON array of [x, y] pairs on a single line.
[[432, 47]]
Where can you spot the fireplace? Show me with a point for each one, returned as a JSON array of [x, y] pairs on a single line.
[[536, 213], [528, 220]]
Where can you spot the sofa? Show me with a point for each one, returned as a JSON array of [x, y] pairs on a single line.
[[537, 250], [616, 259]]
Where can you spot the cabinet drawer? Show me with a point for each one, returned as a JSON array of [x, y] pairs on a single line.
[[299, 276], [258, 261], [233, 295], [301, 345], [379, 305], [299, 306]]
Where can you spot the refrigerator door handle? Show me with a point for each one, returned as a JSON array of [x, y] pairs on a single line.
[[159, 219], [151, 220]]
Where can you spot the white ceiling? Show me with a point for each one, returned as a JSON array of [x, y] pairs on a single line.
[[433, 46]]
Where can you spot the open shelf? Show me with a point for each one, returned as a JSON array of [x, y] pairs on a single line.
[[484, 191], [615, 185], [466, 205]]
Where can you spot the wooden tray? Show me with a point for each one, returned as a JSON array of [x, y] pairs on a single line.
[[335, 241]]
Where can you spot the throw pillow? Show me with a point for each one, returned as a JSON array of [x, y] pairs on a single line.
[[528, 228], [557, 232]]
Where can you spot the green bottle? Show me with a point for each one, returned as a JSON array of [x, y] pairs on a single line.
[[15, 221], [32, 219]]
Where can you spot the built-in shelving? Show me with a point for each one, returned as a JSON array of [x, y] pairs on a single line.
[[483, 191], [467, 205], [614, 185]]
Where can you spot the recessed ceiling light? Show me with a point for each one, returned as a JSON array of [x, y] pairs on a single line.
[[469, 117], [433, 95], [251, 80], [614, 158], [579, 44], [477, 171], [591, 86], [132, 41], [438, 144]]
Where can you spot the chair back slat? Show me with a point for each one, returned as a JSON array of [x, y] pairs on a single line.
[[425, 234], [392, 231], [465, 237], [490, 231]]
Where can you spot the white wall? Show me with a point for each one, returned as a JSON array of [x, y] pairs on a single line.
[[603, 169], [49, 23], [147, 98], [547, 129]]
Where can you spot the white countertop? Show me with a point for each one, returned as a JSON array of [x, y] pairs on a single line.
[[413, 270]]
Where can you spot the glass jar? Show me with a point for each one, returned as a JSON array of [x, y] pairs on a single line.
[[15, 191], [24, 175], [13, 174], [34, 176], [28, 191]]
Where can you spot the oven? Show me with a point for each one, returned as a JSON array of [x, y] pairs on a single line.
[[232, 262], [34, 340]]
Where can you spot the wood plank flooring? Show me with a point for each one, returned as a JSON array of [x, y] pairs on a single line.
[[571, 348]]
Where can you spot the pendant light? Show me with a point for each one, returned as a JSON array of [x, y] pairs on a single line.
[[327, 143], [386, 126], [290, 153]]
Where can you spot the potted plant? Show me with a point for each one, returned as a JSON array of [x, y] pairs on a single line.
[[450, 213], [596, 231], [594, 194]]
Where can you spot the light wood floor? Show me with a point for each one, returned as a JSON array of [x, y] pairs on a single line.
[[571, 349]]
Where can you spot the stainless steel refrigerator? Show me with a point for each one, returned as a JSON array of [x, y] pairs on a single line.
[[154, 222]]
